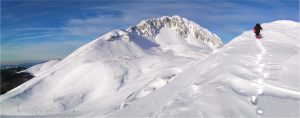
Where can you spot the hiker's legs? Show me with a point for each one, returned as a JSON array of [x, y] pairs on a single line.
[[257, 35]]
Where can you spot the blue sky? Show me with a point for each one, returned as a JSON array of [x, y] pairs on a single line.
[[41, 30]]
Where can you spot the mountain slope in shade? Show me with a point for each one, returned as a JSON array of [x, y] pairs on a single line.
[[12, 77]]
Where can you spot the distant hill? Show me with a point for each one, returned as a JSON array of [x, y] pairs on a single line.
[[25, 65], [12, 77]]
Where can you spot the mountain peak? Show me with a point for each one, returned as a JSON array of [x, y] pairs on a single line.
[[184, 28], [115, 35]]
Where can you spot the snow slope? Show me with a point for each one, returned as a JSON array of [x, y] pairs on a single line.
[[126, 74], [39, 68], [247, 78]]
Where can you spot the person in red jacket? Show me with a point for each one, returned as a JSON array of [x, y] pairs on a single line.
[[256, 30]]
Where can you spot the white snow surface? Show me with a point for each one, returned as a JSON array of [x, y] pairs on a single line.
[[124, 74], [39, 68]]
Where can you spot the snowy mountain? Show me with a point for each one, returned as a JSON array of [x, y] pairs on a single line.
[[177, 34], [39, 68], [115, 64], [187, 30], [156, 70]]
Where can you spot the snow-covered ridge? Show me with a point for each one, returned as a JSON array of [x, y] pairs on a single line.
[[183, 27], [115, 34], [278, 29], [37, 69], [169, 34]]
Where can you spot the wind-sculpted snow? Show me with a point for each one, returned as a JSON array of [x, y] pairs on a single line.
[[124, 74]]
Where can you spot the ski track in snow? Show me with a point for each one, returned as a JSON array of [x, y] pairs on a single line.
[[263, 74], [261, 81]]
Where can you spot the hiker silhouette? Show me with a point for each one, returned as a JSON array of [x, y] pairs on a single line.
[[256, 30]]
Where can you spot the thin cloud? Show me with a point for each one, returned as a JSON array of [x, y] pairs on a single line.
[[32, 37], [131, 13], [37, 29], [94, 25]]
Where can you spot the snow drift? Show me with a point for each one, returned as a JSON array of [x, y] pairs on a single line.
[[144, 72]]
